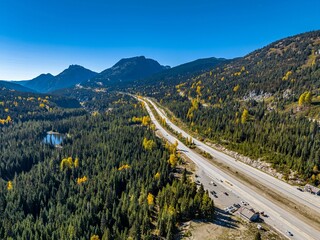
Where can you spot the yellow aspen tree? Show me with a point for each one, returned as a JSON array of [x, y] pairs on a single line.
[[150, 199], [95, 237], [236, 88], [76, 163], [173, 160], [244, 116], [9, 186], [157, 176], [308, 97]]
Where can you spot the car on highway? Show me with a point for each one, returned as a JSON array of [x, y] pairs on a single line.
[[213, 183], [225, 193], [289, 233], [236, 205], [300, 189], [232, 209], [213, 192], [215, 196], [244, 203]]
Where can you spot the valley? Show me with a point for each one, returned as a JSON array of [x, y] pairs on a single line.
[[81, 157]]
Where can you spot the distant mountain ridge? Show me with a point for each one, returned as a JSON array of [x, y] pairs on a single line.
[[14, 86], [69, 77], [127, 70], [179, 73]]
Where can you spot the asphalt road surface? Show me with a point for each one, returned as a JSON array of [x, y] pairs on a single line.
[[279, 218]]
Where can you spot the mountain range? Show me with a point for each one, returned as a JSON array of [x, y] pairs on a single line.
[[69, 77], [126, 72]]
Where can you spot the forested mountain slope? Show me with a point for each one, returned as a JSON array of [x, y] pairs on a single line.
[[264, 105], [173, 76]]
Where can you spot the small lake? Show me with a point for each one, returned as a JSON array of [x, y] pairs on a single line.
[[53, 138]]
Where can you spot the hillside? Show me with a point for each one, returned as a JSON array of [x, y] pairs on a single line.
[[284, 70], [251, 105], [173, 76], [69, 77], [126, 71], [14, 86]]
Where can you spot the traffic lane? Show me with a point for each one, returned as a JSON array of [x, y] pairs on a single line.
[[222, 200]]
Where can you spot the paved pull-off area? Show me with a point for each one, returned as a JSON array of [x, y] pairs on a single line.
[[279, 218]]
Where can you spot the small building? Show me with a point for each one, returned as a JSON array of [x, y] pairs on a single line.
[[248, 214], [312, 189]]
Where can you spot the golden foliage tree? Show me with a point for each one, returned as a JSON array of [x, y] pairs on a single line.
[[236, 88], [244, 116], [148, 144], [95, 237], [9, 186], [66, 163], [305, 98], [76, 163], [146, 121], [173, 160], [82, 180], [125, 166], [150, 199], [157, 176]]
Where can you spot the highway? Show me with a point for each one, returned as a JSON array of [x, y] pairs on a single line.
[[305, 198], [279, 218]]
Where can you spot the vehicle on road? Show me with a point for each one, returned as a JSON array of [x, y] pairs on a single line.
[[236, 205], [300, 189], [289, 233], [198, 182], [225, 193], [215, 196], [244, 203], [213, 192], [232, 209], [213, 183]]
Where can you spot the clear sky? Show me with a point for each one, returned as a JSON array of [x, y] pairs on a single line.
[[41, 36]]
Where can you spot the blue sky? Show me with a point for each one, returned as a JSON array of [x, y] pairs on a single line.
[[47, 36]]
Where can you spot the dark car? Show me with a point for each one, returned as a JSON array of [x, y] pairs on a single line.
[[225, 193], [289, 233]]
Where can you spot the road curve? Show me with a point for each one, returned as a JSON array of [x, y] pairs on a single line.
[[278, 217]]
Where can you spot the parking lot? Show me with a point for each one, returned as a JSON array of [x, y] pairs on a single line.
[[224, 199]]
